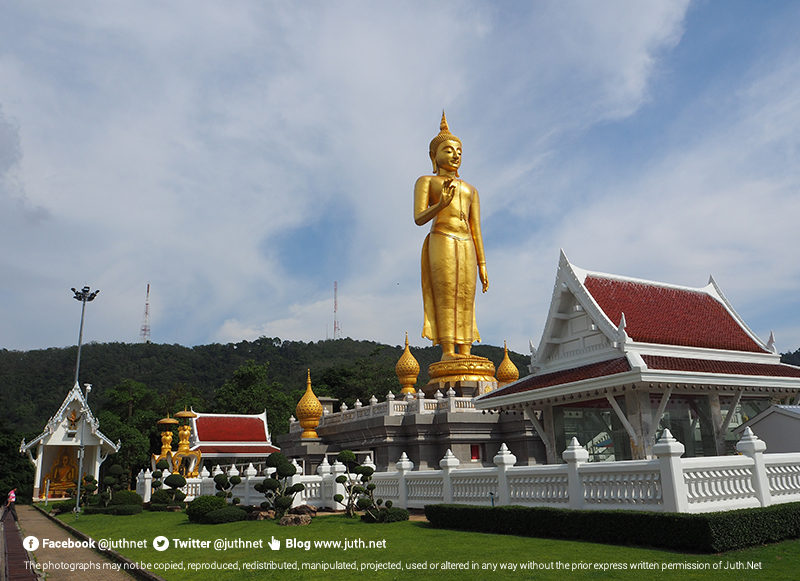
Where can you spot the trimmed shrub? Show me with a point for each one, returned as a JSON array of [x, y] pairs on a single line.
[[117, 510], [197, 509], [224, 515], [126, 497], [706, 532], [63, 506], [161, 497], [386, 515]]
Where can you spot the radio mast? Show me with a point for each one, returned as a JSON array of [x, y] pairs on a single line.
[[145, 332], [337, 330]]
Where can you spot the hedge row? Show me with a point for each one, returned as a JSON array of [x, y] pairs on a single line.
[[119, 510], [714, 532]]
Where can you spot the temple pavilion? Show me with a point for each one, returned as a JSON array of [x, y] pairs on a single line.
[[56, 451], [621, 359], [225, 439]]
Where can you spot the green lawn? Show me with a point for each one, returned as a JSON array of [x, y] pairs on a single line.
[[406, 544]]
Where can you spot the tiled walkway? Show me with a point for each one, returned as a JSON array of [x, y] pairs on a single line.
[[14, 562], [96, 567]]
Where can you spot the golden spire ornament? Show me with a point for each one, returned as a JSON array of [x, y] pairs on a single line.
[[507, 372], [308, 411], [407, 370]]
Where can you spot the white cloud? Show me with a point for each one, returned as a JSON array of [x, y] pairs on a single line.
[[241, 157]]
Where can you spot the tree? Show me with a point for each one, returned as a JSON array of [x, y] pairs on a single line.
[[367, 376], [277, 490], [250, 392], [15, 469], [359, 488], [134, 451], [225, 486], [175, 483], [130, 414]]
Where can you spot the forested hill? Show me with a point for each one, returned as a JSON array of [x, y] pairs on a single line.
[[34, 383]]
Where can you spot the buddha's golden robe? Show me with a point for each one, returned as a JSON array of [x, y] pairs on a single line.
[[449, 269]]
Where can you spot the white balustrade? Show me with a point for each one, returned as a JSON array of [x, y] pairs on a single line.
[[667, 483]]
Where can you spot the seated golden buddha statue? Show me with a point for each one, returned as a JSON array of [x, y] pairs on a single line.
[[452, 255], [64, 473]]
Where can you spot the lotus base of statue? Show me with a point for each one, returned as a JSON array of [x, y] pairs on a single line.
[[468, 376]]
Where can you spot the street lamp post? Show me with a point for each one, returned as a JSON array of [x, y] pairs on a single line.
[[85, 296], [81, 450]]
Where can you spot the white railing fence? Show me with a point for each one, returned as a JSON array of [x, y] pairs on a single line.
[[666, 483]]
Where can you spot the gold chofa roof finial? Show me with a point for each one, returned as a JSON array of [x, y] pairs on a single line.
[[444, 135]]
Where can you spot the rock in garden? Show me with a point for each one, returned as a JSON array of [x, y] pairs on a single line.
[[294, 520], [304, 509], [261, 515]]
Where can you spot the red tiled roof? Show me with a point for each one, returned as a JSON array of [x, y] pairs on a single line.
[[230, 429], [670, 316], [660, 362], [240, 450], [590, 371]]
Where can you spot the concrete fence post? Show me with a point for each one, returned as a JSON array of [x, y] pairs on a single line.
[[146, 479], [324, 471], [404, 466], [337, 470], [248, 481], [574, 456], [752, 447], [673, 486], [448, 464], [504, 460]]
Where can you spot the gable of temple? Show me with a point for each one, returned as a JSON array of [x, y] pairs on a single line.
[[594, 317]]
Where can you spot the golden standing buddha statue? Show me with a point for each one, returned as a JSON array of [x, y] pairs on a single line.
[[452, 260]]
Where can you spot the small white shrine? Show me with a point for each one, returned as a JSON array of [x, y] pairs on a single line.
[[56, 451]]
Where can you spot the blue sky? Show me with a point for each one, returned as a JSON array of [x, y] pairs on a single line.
[[242, 156]]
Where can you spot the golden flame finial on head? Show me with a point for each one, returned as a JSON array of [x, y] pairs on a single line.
[[407, 370], [308, 411], [444, 135], [507, 371]]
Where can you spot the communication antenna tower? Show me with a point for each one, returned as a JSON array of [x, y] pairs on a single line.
[[145, 332], [337, 330]]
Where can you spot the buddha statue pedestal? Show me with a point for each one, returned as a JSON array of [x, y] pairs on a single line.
[[469, 376]]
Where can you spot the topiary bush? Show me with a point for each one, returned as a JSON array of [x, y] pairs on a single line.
[[160, 497], [175, 482], [126, 497], [158, 473], [225, 486], [63, 506], [224, 515], [279, 494], [197, 509], [124, 509], [87, 488], [385, 515]]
